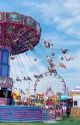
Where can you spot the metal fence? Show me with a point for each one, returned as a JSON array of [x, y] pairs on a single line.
[[27, 114], [20, 114]]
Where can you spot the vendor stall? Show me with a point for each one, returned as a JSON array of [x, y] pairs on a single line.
[[75, 112]]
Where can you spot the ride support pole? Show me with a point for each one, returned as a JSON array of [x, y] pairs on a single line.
[[54, 114], [48, 113]]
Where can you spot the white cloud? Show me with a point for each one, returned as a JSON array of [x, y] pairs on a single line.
[[73, 6], [64, 15]]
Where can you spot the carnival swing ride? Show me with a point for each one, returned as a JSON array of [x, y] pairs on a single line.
[[19, 34]]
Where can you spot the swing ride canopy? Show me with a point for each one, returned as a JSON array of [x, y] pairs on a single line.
[[18, 32]]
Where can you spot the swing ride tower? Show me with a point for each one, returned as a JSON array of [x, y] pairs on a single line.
[[18, 33]]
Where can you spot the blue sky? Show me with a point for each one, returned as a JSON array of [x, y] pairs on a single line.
[[60, 23]]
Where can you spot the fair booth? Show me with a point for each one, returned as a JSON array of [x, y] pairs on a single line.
[[75, 112]]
